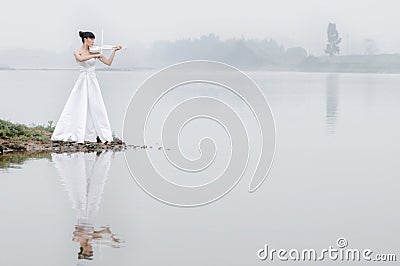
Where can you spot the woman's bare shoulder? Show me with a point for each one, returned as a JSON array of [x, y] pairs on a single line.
[[78, 51]]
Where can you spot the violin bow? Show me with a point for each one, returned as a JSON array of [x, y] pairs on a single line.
[[101, 45]]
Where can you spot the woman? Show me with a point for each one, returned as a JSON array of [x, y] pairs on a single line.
[[84, 117]]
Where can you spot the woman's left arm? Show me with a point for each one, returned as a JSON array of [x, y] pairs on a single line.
[[108, 61]]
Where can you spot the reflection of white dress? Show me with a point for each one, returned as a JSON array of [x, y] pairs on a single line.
[[84, 116], [84, 176]]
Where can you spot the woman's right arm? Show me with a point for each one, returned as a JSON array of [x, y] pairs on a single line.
[[82, 58]]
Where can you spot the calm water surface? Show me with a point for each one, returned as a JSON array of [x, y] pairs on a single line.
[[335, 174]]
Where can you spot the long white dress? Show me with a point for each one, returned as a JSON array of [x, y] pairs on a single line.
[[84, 116]]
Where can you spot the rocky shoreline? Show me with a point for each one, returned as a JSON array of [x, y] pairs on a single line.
[[32, 146], [19, 142], [8, 146], [20, 138], [14, 153]]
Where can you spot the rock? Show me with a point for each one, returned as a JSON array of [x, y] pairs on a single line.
[[116, 141]]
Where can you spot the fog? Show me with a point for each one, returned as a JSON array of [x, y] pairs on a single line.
[[54, 25]]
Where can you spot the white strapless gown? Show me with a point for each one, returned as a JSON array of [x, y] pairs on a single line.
[[84, 116]]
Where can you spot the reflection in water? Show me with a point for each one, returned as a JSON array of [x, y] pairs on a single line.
[[87, 236], [17, 159], [84, 176], [332, 101]]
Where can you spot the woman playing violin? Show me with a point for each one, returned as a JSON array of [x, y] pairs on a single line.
[[84, 54], [84, 117]]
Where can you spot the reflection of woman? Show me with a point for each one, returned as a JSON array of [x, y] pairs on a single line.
[[83, 176], [84, 117], [87, 236]]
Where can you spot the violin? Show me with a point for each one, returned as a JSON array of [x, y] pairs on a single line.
[[98, 49]]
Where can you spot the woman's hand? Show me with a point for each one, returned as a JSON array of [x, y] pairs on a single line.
[[97, 55], [118, 47]]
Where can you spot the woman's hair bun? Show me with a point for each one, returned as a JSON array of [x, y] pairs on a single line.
[[86, 34]]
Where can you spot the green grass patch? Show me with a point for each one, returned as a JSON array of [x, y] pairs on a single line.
[[21, 132]]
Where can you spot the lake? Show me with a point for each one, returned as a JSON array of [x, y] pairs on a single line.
[[335, 175]]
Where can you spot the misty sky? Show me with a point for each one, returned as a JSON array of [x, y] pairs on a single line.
[[50, 24]]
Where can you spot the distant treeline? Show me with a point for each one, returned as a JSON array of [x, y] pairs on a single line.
[[239, 52]]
